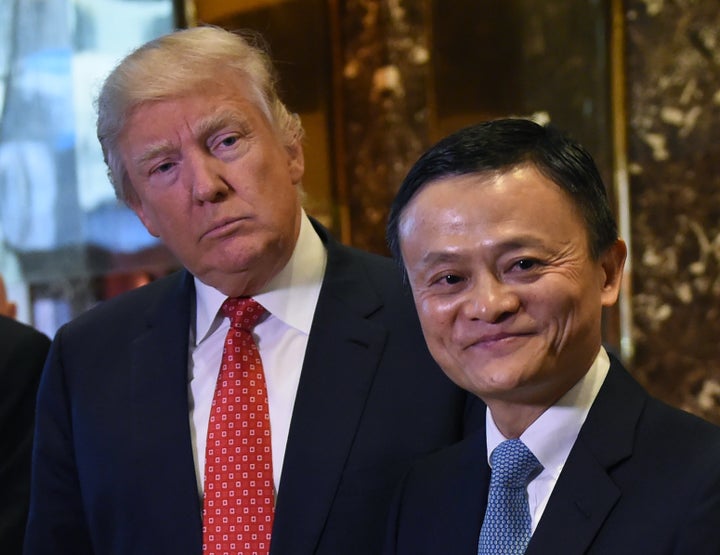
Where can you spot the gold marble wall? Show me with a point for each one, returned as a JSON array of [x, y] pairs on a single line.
[[673, 84], [384, 70]]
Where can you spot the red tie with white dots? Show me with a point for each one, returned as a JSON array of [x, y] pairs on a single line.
[[239, 501]]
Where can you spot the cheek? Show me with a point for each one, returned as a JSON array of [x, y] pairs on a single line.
[[164, 217], [561, 315], [436, 319], [147, 216]]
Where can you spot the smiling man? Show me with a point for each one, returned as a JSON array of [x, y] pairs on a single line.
[[511, 251], [267, 397]]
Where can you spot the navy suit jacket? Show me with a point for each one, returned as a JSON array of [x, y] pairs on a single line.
[[22, 355], [113, 470], [642, 479]]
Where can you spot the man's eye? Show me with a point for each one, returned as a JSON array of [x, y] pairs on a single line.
[[225, 141], [163, 168], [229, 141], [450, 279], [526, 264]]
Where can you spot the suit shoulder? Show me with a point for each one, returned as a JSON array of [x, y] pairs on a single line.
[[126, 306], [17, 335], [12, 331], [685, 429], [660, 425], [382, 271], [371, 259], [384, 278]]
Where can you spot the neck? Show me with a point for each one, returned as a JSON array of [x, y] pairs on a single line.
[[513, 419]]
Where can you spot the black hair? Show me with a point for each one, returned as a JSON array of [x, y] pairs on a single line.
[[503, 144]]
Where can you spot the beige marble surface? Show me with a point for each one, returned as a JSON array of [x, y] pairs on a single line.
[[673, 73]]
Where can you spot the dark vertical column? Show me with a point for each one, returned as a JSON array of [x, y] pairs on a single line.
[[673, 83], [382, 74]]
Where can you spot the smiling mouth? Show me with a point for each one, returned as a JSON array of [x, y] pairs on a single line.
[[496, 340]]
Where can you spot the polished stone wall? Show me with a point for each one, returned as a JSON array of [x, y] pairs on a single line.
[[384, 71], [673, 84]]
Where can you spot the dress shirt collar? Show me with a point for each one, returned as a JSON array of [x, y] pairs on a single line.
[[290, 296], [553, 434]]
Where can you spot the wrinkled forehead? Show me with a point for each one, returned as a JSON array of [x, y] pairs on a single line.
[[475, 179], [516, 196]]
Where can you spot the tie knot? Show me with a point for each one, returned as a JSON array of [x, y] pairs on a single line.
[[244, 312], [512, 464]]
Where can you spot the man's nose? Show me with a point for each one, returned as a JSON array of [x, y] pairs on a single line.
[[207, 175], [490, 300]]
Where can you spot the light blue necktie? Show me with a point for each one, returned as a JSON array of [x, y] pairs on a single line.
[[506, 527]]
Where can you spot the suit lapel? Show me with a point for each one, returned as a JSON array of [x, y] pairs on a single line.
[[465, 497], [336, 378], [585, 492], [160, 414]]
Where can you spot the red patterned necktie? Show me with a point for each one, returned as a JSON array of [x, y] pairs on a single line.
[[238, 506]]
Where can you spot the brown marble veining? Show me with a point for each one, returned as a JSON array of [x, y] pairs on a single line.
[[384, 69], [673, 77]]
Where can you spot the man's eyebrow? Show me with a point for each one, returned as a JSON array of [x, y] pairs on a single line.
[[153, 151], [203, 128], [440, 257], [209, 125], [516, 243], [521, 242]]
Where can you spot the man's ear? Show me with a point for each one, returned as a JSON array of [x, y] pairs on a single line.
[[612, 262], [296, 161], [7, 307]]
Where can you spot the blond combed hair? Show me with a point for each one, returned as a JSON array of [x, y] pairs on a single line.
[[178, 64]]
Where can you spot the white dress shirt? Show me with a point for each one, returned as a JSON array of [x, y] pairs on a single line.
[[553, 434], [282, 335]]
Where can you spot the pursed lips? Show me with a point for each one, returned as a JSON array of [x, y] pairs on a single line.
[[222, 227]]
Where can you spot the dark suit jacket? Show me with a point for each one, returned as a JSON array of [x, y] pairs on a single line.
[[642, 479], [113, 464], [22, 354]]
